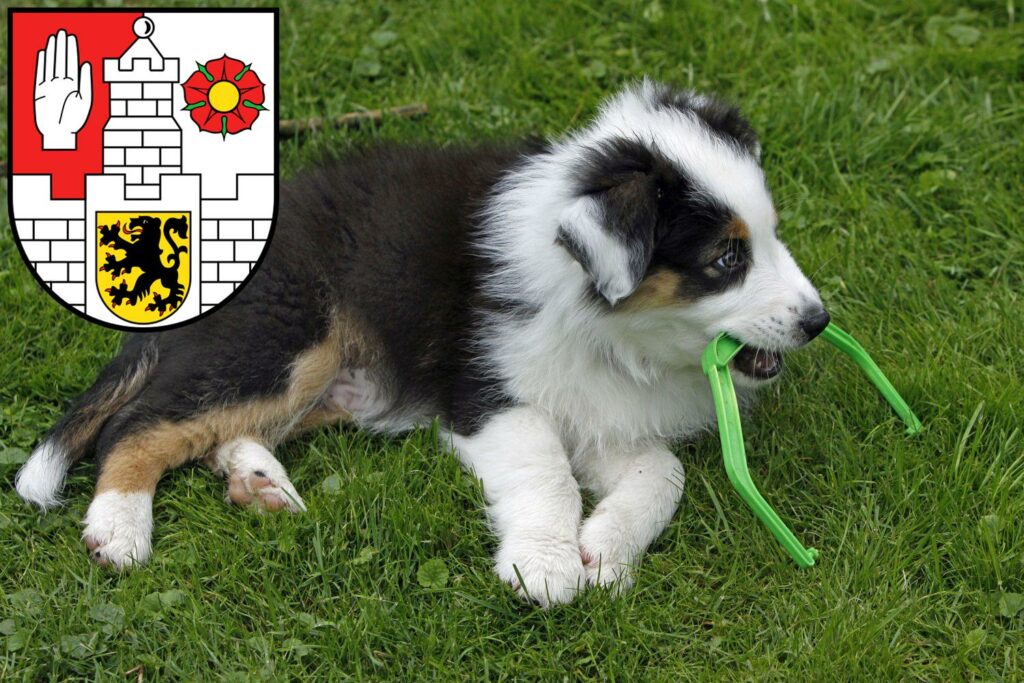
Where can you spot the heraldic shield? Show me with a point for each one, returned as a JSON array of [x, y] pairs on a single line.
[[144, 163], [143, 264]]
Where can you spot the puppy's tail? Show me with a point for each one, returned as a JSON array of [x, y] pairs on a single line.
[[41, 478]]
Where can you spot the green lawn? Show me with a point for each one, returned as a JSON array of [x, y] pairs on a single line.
[[892, 138]]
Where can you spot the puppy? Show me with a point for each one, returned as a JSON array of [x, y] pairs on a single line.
[[548, 303]]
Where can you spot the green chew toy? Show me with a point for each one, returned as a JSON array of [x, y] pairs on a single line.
[[715, 362]]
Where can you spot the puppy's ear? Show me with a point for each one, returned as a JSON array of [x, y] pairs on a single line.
[[610, 232]]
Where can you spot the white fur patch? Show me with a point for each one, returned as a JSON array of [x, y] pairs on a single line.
[[118, 528], [534, 503], [608, 258], [41, 478], [640, 493], [547, 570]]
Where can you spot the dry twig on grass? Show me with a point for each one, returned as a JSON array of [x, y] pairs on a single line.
[[292, 127]]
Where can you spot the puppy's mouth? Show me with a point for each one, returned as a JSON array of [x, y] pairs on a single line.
[[758, 363]]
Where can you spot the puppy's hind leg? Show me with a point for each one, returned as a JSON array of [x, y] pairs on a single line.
[[135, 450], [255, 477], [533, 501], [119, 522]]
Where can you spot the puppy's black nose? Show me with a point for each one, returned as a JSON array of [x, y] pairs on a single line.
[[814, 322]]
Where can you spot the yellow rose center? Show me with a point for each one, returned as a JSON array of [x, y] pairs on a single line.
[[224, 96]]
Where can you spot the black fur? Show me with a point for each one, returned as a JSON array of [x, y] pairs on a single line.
[[660, 213], [692, 235], [406, 267], [364, 234]]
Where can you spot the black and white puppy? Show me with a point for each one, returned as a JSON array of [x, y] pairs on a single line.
[[547, 303]]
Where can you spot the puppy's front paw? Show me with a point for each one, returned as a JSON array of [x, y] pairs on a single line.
[[118, 527], [608, 555], [550, 571]]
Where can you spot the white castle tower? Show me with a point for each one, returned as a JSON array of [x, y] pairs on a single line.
[[141, 141]]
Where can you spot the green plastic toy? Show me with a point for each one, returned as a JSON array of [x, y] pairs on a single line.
[[715, 362]]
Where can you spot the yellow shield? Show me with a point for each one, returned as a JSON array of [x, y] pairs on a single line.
[[142, 263]]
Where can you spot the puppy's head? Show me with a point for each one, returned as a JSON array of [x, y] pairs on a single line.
[[673, 223]]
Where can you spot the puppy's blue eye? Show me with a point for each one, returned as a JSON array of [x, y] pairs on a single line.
[[731, 259]]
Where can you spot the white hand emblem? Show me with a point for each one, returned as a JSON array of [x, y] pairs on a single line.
[[63, 93]]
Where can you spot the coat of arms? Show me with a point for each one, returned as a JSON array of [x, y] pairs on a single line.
[[143, 156]]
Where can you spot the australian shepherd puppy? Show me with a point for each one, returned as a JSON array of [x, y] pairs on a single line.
[[547, 303]]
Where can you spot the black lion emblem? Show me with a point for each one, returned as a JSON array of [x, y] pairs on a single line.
[[143, 252]]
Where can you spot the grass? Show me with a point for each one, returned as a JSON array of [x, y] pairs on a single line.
[[892, 141]]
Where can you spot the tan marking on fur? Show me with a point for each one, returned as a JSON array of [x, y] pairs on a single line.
[[658, 290], [346, 345], [139, 460], [737, 229], [320, 416]]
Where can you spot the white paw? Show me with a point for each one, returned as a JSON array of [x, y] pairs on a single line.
[[608, 552], [256, 478], [118, 528], [547, 571], [254, 487]]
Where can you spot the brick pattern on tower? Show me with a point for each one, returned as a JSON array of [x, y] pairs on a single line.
[[141, 140]]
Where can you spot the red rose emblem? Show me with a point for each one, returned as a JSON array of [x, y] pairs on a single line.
[[224, 96]]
